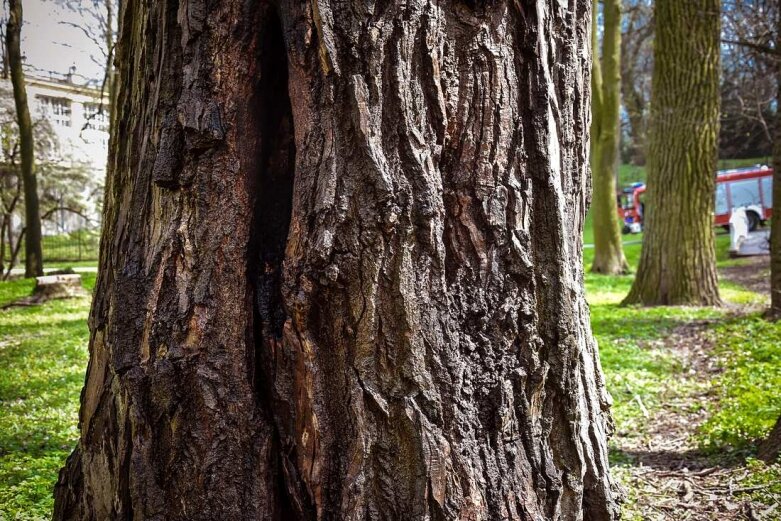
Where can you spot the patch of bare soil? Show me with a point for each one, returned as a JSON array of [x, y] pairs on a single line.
[[668, 477], [752, 273]]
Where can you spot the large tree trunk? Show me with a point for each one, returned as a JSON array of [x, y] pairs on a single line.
[[678, 262], [775, 221], [341, 269], [33, 263], [605, 135]]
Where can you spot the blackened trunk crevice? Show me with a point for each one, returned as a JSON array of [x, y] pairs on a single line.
[[272, 117], [274, 194]]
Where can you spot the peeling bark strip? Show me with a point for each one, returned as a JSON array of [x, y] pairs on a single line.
[[341, 275]]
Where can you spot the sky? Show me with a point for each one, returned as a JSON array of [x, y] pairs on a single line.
[[50, 44]]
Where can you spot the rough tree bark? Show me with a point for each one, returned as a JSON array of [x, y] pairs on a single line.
[[33, 263], [775, 220], [341, 269], [605, 136], [678, 261]]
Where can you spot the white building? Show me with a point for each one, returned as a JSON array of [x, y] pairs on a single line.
[[80, 125], [76, 117]]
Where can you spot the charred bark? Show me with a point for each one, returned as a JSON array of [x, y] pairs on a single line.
[[341, 270]]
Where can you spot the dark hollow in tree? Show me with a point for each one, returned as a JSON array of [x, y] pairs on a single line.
[[341, 269]]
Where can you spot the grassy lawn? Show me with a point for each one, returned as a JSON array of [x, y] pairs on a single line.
[[750, 387], [43, 354]]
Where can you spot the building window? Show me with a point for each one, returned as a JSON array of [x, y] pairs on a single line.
[[57, 110], [96, 118]]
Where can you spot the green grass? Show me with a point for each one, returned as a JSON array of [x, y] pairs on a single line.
[[634, 358], [727, 164], [43, 354], [636, 362], [645, 377], [628, 174], [749, 391]]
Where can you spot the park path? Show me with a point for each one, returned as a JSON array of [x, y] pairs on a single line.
[[668, 477]]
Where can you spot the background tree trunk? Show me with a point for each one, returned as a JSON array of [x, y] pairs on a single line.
[[341, 269], [605, 136], [678, 261], [33, 263]]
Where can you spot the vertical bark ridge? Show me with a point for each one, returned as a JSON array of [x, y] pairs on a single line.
[[428, 353], [160, 432]]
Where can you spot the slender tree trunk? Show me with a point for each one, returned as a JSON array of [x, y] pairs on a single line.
[[637, 30], [341, 269], [33, 263], [605, 136], [3, 223], [678, 262], [634, 104], [770, 448], [775, 221]]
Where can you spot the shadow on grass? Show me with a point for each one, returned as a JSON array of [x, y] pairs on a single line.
[[672, 460]]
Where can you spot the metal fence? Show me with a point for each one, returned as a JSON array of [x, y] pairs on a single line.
[[76, 246]]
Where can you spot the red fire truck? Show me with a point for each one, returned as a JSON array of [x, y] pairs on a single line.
[[750, 188]]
